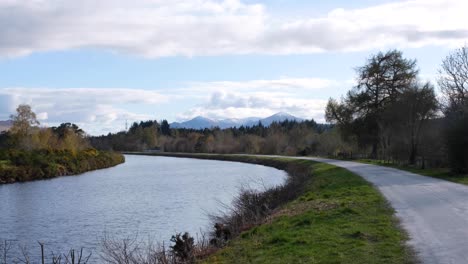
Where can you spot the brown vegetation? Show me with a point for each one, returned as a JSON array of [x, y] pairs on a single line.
[[29, 152]]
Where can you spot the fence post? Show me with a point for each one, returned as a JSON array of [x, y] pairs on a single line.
[[42, 252]]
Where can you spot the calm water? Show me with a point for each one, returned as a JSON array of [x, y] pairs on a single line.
[[154, 197]]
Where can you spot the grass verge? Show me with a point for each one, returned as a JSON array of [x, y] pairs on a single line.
[[338, 218]]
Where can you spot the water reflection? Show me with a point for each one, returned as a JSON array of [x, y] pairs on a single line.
[[152, 196]]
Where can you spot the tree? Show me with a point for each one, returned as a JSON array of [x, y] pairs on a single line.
[[336, 112], [24, 119], [23, 124], [380, 82], [165, 128], [149, 137], [70, 137], [453, 82], [414, 107], [66, 128], [453, 79]]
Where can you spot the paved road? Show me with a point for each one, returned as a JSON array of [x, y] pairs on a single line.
[[434, 212]]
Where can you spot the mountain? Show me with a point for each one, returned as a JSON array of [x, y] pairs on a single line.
[[200, 122], [5, 125], [279, 117]]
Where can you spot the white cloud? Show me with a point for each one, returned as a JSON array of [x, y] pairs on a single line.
[[42, 116], [401, 23], [223, 104], [156, 28], [103, 110], [277, 85], [95, 109], [260, 98]]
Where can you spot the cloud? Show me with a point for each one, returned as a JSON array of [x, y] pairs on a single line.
[[42, 116], [97, 110], [402, 23], [260, 98], [158, 28], [151, 28], [281, 84], [6, 105], [103, 110], [223, 104]]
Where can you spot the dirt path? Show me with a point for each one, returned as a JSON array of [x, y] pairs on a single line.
[[434, 212]]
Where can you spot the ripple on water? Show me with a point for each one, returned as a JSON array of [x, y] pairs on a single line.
[[152, 196]]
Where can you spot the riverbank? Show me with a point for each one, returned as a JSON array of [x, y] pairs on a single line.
[[22, 166], [336, 217]]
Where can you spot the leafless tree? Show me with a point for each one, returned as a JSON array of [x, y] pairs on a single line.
[[453, 78], [5, 247], [453, 81]]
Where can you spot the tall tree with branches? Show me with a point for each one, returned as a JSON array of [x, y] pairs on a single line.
[[380, 81]]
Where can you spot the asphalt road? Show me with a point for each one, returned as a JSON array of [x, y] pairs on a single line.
[[434, 212]]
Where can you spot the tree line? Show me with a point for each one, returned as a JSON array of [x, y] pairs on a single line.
[[391, 114], [286, 137]]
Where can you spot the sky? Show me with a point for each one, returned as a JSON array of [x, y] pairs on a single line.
[[100, 64]]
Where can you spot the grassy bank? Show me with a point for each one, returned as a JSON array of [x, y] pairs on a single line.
[[440, 173], [21, 166], [337, 217]]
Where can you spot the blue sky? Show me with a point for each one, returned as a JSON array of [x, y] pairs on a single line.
[[99, 65]]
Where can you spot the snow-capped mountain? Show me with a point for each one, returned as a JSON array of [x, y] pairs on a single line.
[[200, 122], [279, 117]]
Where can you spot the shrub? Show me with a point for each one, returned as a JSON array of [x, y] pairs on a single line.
[[41, 164]]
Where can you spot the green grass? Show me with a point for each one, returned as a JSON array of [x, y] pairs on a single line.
[[339, 219], [440, 173]]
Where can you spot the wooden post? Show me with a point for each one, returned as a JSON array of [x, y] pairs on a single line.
[[42, 252]]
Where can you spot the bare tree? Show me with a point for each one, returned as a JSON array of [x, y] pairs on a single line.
[[453, 78], [453, 81], [5, 248]]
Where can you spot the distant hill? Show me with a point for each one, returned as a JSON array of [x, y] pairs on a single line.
[[200, 122], [5, 125], [279, 117]]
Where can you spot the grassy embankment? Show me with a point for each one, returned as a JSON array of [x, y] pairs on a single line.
[[21, 166], [337, 218], [440, 173]]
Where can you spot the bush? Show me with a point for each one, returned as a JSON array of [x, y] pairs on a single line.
[[183, 247], [42, 164], [251, 208]]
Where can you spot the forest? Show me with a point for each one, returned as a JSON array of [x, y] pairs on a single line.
[[29, 152], [390, 114], [287, 138]]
